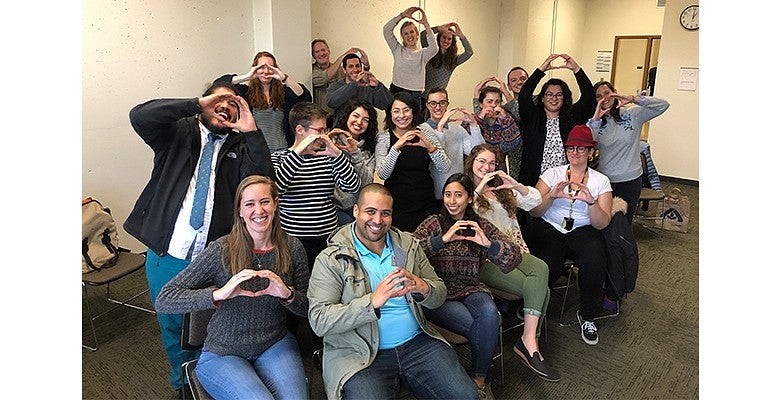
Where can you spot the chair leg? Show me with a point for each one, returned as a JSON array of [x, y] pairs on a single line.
[[565, 297], [91, 318], [126, 303]]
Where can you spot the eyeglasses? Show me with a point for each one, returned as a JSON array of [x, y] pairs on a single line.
[[551, 95], [482, 161], [579, 149], [433, 104], [320, 131]]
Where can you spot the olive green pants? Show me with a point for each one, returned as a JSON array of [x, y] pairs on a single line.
[[527, 280]]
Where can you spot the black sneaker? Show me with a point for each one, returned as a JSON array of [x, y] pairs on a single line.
[[588, 330], [540, 367]]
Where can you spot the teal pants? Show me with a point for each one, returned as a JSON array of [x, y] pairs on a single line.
[[159, 270], [527, 280]]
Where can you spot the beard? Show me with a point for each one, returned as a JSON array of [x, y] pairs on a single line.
[[219, 130]]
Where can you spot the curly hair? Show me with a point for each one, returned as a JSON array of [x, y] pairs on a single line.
[[369, 136]]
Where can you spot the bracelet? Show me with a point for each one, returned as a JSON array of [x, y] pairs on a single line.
[[285, 78], [590, 204]]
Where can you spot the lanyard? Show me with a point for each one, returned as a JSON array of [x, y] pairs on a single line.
[[576, 192]]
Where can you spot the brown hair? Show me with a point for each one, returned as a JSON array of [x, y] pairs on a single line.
[[256, 96], [237, 254], [504, 196], [449, 57]]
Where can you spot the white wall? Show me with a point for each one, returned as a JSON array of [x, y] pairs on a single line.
[[674, 137], [136, 50]]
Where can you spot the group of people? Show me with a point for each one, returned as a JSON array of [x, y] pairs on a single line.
[[264, 204]]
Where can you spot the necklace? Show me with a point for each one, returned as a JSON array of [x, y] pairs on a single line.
[[256, 255]]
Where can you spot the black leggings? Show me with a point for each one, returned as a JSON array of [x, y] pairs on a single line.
[[584, 245]]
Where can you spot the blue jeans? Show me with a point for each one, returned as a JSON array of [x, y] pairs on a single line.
[[476, 318], [427, 367], [276, 374], [159, 270]]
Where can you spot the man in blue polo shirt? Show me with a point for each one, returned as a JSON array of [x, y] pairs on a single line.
[[366, 294]]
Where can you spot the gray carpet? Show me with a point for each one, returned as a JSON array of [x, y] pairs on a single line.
[[649, 351]]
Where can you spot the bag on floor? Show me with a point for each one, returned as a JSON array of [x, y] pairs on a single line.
[[100, 240], [676, 212]]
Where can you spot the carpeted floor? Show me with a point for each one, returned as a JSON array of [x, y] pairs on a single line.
[[649, 351]]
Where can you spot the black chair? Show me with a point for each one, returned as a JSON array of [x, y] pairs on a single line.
[[127, 263], [562, 289], [645, 197], [193, 334]]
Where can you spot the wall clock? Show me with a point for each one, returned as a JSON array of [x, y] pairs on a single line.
[[689, 17]]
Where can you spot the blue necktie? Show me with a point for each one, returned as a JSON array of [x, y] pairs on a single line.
[[202, 183]]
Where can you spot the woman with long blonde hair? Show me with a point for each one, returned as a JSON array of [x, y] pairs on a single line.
[[253, 276]]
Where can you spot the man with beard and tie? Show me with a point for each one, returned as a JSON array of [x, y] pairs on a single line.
[[203, 147]]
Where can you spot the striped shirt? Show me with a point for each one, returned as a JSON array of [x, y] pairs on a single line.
[[306, 185]]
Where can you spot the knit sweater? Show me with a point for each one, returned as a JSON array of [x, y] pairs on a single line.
[[458, 262], [241, 326], [408, 65], [440, 77]]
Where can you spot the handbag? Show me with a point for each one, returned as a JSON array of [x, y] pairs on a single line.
[[674, 212]]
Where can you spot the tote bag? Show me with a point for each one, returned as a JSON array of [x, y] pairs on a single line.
[[675, 211]]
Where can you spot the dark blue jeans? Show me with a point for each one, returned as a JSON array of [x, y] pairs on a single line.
[[427, 367], [476, 318]]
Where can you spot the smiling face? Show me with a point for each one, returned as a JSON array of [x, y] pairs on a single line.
[[552, 98], [357, 122], [604, 91], [373, 217], [321, 54], [437, 111], [445, 41], [456, 199], [410, 34], [353, 69], [516, 80], [484, 162], [266, 73], [223, 111], [401, 114], [257, 209]]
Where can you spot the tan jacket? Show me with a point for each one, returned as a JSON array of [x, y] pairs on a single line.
[[340, 304]]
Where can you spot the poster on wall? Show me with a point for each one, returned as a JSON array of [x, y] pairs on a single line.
[[603, 60], [689, 77]]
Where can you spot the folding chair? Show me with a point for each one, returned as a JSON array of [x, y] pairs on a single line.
[[126, 264], [563, 291], [193, 334], [645, 197]]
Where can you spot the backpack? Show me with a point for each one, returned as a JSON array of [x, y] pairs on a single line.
[[100, 240]]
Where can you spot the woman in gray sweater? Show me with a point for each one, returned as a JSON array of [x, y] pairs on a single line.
[[252, 276]]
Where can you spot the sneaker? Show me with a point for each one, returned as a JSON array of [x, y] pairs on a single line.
[[535, 363], [588, 330], [484, 392]]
